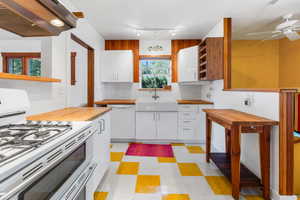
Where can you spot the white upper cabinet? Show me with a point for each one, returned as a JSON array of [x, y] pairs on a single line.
[[188, 64], [117, 66]]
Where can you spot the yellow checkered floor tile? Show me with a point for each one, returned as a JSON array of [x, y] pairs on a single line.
[[187, 176]]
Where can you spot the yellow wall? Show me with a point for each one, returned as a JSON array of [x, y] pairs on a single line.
[[255, 64], [289, 61]]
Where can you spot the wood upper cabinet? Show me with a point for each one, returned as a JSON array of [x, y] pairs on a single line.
[[211, 59], [32, 18]]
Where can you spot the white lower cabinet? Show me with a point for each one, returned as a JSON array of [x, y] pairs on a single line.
[[167, 125], [101, 152], [156, 125], [191, 122]]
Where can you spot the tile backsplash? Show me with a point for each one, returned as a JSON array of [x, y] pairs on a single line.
[[131, 91]]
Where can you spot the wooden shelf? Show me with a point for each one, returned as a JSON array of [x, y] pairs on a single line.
[[201, 49], [27, 78], [203, 56], [223, 162], [204, 63], [203, 71]]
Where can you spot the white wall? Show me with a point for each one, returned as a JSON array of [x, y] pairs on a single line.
[[262, 104], [19, 45], [78, 96], [49, 96]]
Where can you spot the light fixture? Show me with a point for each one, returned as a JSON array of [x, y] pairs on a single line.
[[57, 22], [173, 33], [138, 33]]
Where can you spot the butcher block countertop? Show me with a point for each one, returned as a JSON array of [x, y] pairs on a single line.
[[193, 102], [230, 116], [70, 114], [115, 101]]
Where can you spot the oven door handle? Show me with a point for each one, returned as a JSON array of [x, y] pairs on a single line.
[[91, 171]]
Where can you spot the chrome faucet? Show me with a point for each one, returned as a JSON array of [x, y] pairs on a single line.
[[155, 96]]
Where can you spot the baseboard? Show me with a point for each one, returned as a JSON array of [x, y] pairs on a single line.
[[156, 141], [276, 196]]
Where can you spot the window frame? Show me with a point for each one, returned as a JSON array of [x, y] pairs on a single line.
[[24, 56], [156, 57]]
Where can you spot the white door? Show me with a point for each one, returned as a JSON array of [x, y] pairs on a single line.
[[167, 125], [123, 121], [117, 66], [145, 125], [193, 63], [125, 66], [101, 151], [182, 65], [108, 67]]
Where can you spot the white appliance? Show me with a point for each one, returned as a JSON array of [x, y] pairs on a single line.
[[39, 159], [122, 121], [117, 66]]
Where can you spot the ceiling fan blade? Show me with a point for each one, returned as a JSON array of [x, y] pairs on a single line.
[[262, 33], [292, 35]]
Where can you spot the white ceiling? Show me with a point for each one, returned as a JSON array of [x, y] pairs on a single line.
[[191, 19]]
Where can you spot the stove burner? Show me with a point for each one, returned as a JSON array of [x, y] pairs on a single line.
[[16, 139], [41, 134]]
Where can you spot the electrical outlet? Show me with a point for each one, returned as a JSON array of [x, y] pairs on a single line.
[[247, 102]]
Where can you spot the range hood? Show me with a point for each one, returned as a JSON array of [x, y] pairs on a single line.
[[35, 18]]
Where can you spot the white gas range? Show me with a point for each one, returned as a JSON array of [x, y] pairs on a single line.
[[41, 160]]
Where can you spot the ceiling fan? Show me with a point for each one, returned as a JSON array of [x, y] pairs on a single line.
[[289, 28]]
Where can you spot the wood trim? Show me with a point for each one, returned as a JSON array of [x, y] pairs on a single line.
[[79, 14], [91, 67], [277, 90], [286, 142], [176, 46], [22, 54], [73, 68], [168, 57], [91, 81], [227, 52], [27, 78], [79, 41]]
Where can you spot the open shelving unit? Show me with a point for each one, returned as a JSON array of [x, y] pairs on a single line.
[[211, 59], [223, 162]]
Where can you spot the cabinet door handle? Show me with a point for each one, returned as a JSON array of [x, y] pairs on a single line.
[[103, 125], [100, 125], [154, 116], [158, 115]]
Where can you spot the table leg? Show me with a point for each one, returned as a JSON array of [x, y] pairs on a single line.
[[235, 160], [264, 142], [208, 138], [228, 141]]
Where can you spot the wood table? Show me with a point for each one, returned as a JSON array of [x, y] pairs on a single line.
[[235, 123]]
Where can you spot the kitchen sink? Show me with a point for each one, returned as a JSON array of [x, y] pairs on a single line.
[[156, 106]]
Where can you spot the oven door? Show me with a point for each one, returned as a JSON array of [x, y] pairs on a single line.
[[70, 172]]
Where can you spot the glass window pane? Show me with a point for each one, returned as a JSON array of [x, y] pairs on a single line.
[[15, 66], [155, 73], [34, 66]]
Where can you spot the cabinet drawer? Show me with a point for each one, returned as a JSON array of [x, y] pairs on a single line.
[[187, 115], [188, 108], [187, 123], [187, 131]]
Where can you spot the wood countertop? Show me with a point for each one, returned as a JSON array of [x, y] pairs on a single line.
[[70, 114], [115, 101], [199, 101], [234, 117]]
